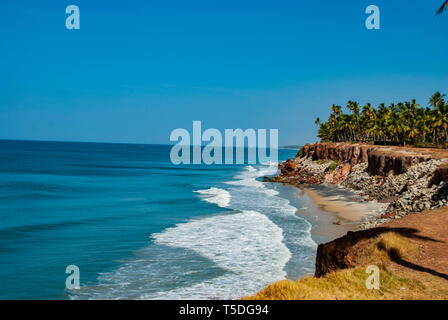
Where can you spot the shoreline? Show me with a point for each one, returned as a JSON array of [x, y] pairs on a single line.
[[331, 210]]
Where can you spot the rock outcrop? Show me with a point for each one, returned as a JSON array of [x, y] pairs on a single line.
[[440, 175], [288, 167], [381, 160], [340, 253]]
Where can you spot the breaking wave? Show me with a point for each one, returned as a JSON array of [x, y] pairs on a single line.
[[216, 196]]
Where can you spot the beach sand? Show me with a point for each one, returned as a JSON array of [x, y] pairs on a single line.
[[332, 210]]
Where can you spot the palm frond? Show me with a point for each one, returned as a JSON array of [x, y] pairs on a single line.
[[442, 7]]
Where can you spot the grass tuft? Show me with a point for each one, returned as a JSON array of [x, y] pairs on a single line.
[[388, 247], [333, 166]]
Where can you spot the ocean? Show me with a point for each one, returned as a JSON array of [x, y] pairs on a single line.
[[139, 227]]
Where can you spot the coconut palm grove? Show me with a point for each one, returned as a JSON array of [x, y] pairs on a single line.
[[402, 123]]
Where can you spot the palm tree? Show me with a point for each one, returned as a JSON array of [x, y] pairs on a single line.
[[442, 7], [405, 122], [442, 122]]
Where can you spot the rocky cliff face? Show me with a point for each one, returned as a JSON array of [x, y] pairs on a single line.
[[383, 164], [407, 180], [381, 160], [341, 253], [353, 154]]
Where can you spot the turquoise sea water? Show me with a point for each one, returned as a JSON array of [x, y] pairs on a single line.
[[139, 227]]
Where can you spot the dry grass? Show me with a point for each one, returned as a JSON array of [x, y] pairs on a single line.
[[389, 246], [350, 284]]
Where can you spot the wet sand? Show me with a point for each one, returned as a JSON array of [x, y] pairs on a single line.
[[332, 211]]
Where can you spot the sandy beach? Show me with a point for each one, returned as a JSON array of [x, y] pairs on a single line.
[[332, 210]]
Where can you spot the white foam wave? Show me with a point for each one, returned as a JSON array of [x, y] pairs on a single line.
[[250, 168], [246, 244], [249, 247], [249, 193], [248, 178], [216, 196]]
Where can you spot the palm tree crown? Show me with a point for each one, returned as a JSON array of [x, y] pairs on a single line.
[[442, 7], [405, 122]]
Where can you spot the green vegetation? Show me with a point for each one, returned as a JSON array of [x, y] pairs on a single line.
[[405, 123], [332, 166]]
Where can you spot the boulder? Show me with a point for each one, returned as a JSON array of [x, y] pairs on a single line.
[[346, 169], [440, 175], [288, 167]]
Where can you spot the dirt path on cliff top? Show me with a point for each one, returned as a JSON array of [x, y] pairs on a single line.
[[429, 230]]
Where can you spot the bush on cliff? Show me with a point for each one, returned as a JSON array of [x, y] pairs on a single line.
[[333, 166]]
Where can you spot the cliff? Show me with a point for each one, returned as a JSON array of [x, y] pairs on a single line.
[[381, 160]]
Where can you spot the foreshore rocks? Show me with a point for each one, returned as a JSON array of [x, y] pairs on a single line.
[[288, 167], [409, 180]]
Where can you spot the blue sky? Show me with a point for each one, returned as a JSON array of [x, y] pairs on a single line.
[[136, 70]]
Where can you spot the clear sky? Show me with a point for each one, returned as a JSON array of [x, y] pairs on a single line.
[[136, 70]]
